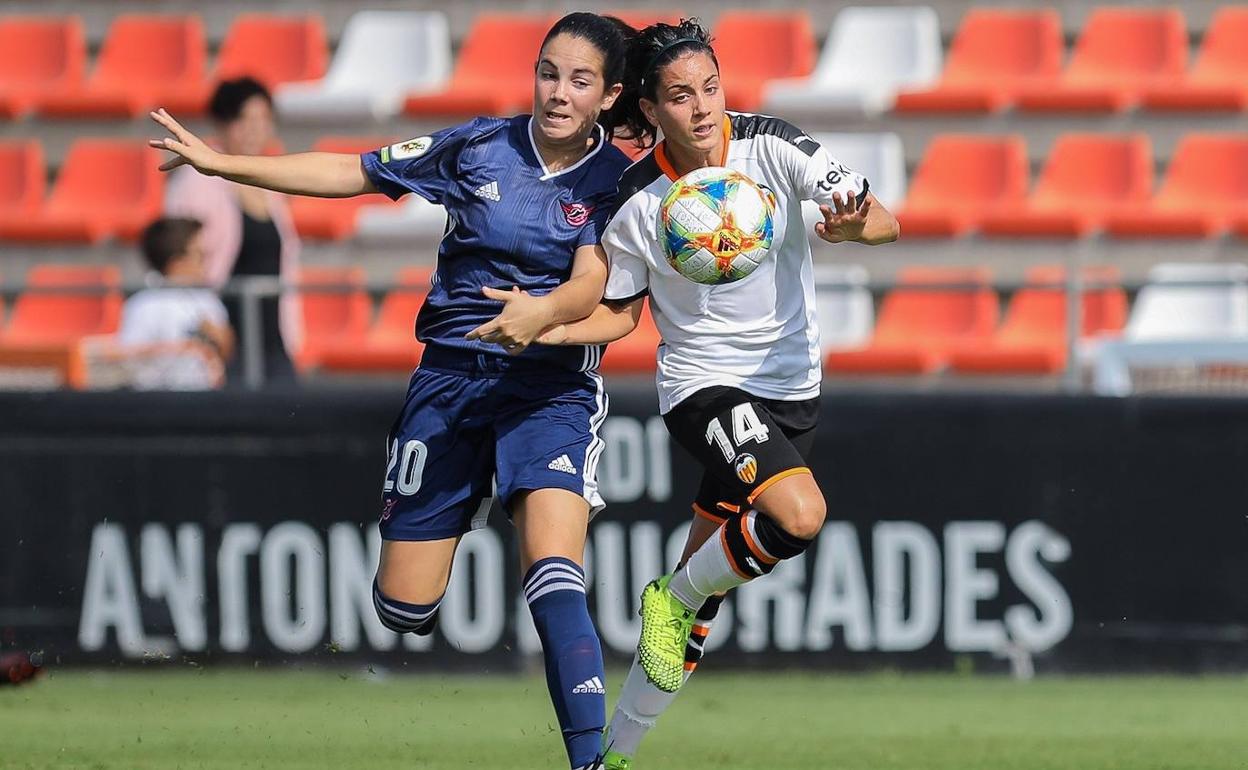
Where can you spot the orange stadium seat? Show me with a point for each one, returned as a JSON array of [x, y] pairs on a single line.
[[1032, 340], [790, 52], [1218, 79], [106, 187], [43, 319], [1088, 177], [494, 72], [1121, 53], [1205, 188], [933, 312], [390, 344], [636, 352], [22, 178], [333, 219], [38, 55], [146, 61], [962, 179], [995, 53], [271, 49], [336, 311]]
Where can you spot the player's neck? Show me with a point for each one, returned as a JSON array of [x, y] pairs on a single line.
[[557, 156], [686, 159]]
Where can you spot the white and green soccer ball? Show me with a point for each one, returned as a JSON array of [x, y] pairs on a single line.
[[716, 225]]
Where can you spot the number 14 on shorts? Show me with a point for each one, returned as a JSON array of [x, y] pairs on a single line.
[[745, 427]]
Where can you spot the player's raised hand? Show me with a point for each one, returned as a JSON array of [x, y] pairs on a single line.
[[524, 317], [187, 148], [844, 220]]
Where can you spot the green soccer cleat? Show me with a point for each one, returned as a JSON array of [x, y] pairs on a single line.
[[665, 627], [613, 760]]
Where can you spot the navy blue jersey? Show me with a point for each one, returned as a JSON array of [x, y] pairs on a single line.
[[510, 222]]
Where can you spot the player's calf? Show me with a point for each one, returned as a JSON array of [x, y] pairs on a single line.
[[405, 617]]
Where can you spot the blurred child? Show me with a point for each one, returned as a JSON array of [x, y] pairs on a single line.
[[175, 335]]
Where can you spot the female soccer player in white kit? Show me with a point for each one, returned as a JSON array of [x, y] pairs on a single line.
[[739, 367]]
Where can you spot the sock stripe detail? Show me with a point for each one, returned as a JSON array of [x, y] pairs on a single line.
[[555, 570], [753, 541], [731, 557], [549, 563], [402, 617]]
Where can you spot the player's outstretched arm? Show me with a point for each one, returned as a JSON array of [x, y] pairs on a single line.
[[323, 174], [524, 316], [608, 323], [846, 220]]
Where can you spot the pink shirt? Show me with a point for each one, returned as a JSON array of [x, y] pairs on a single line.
[[212, 201]]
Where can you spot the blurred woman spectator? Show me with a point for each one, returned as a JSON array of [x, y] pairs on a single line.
[[175, 334], [247, 231]]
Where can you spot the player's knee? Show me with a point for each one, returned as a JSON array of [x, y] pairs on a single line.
[[807, 517], [404, 617]]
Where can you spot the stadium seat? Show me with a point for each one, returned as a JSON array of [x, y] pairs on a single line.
[[38, 55], [43, 319], [334, 219], [961, 180], [336, 311], [146, 62], [995, 53], [1121, 53], [1218, 79], [1087, 178], [22, 178], [1032, 340], [494, 72], [106, 187], [390, 225], [390, 345], [790, 52], [382, 56], [932, 312], [870, 54], [1205, 188], [1191, 301], [879, 157], [844, 306]]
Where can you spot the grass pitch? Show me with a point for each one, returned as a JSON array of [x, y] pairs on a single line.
[[322, 719]]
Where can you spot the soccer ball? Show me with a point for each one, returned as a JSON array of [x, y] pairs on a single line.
[[715, 225]]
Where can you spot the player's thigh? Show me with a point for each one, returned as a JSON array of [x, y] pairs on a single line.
[[796, 503], [738, 442], [440, 460], [416, 571], [550, 522], [548, 439]]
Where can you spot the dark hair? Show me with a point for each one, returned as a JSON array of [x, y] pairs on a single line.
[[652, 49], [230, 96], [167, 239], [611, 37]]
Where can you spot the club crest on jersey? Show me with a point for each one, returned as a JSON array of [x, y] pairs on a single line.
[[388, 509], [747, 468], [412, 148], [577, 214]]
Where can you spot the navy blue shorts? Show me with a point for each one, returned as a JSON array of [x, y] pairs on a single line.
[[476, 427]]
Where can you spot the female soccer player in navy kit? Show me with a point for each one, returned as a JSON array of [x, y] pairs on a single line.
[[527, 201]]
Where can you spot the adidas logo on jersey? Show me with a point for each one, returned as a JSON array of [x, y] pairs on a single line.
[[562, 463], [489, 191], [590, 685]]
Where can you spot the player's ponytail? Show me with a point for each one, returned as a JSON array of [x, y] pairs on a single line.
[[652, 49], [612, 37]]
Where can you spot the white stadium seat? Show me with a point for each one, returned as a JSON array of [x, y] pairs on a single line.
[[870, 54], [383, 56], [844, 306], [1203, 301], [881, 158], [416, 220]]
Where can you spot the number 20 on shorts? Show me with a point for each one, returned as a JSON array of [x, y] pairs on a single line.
[[411, 467], [745, 427]]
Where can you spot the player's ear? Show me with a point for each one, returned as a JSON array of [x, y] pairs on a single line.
[[648, 109], [612, 93]]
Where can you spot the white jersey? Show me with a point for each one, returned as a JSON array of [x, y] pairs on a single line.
[[760, 333], [169, 315]]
